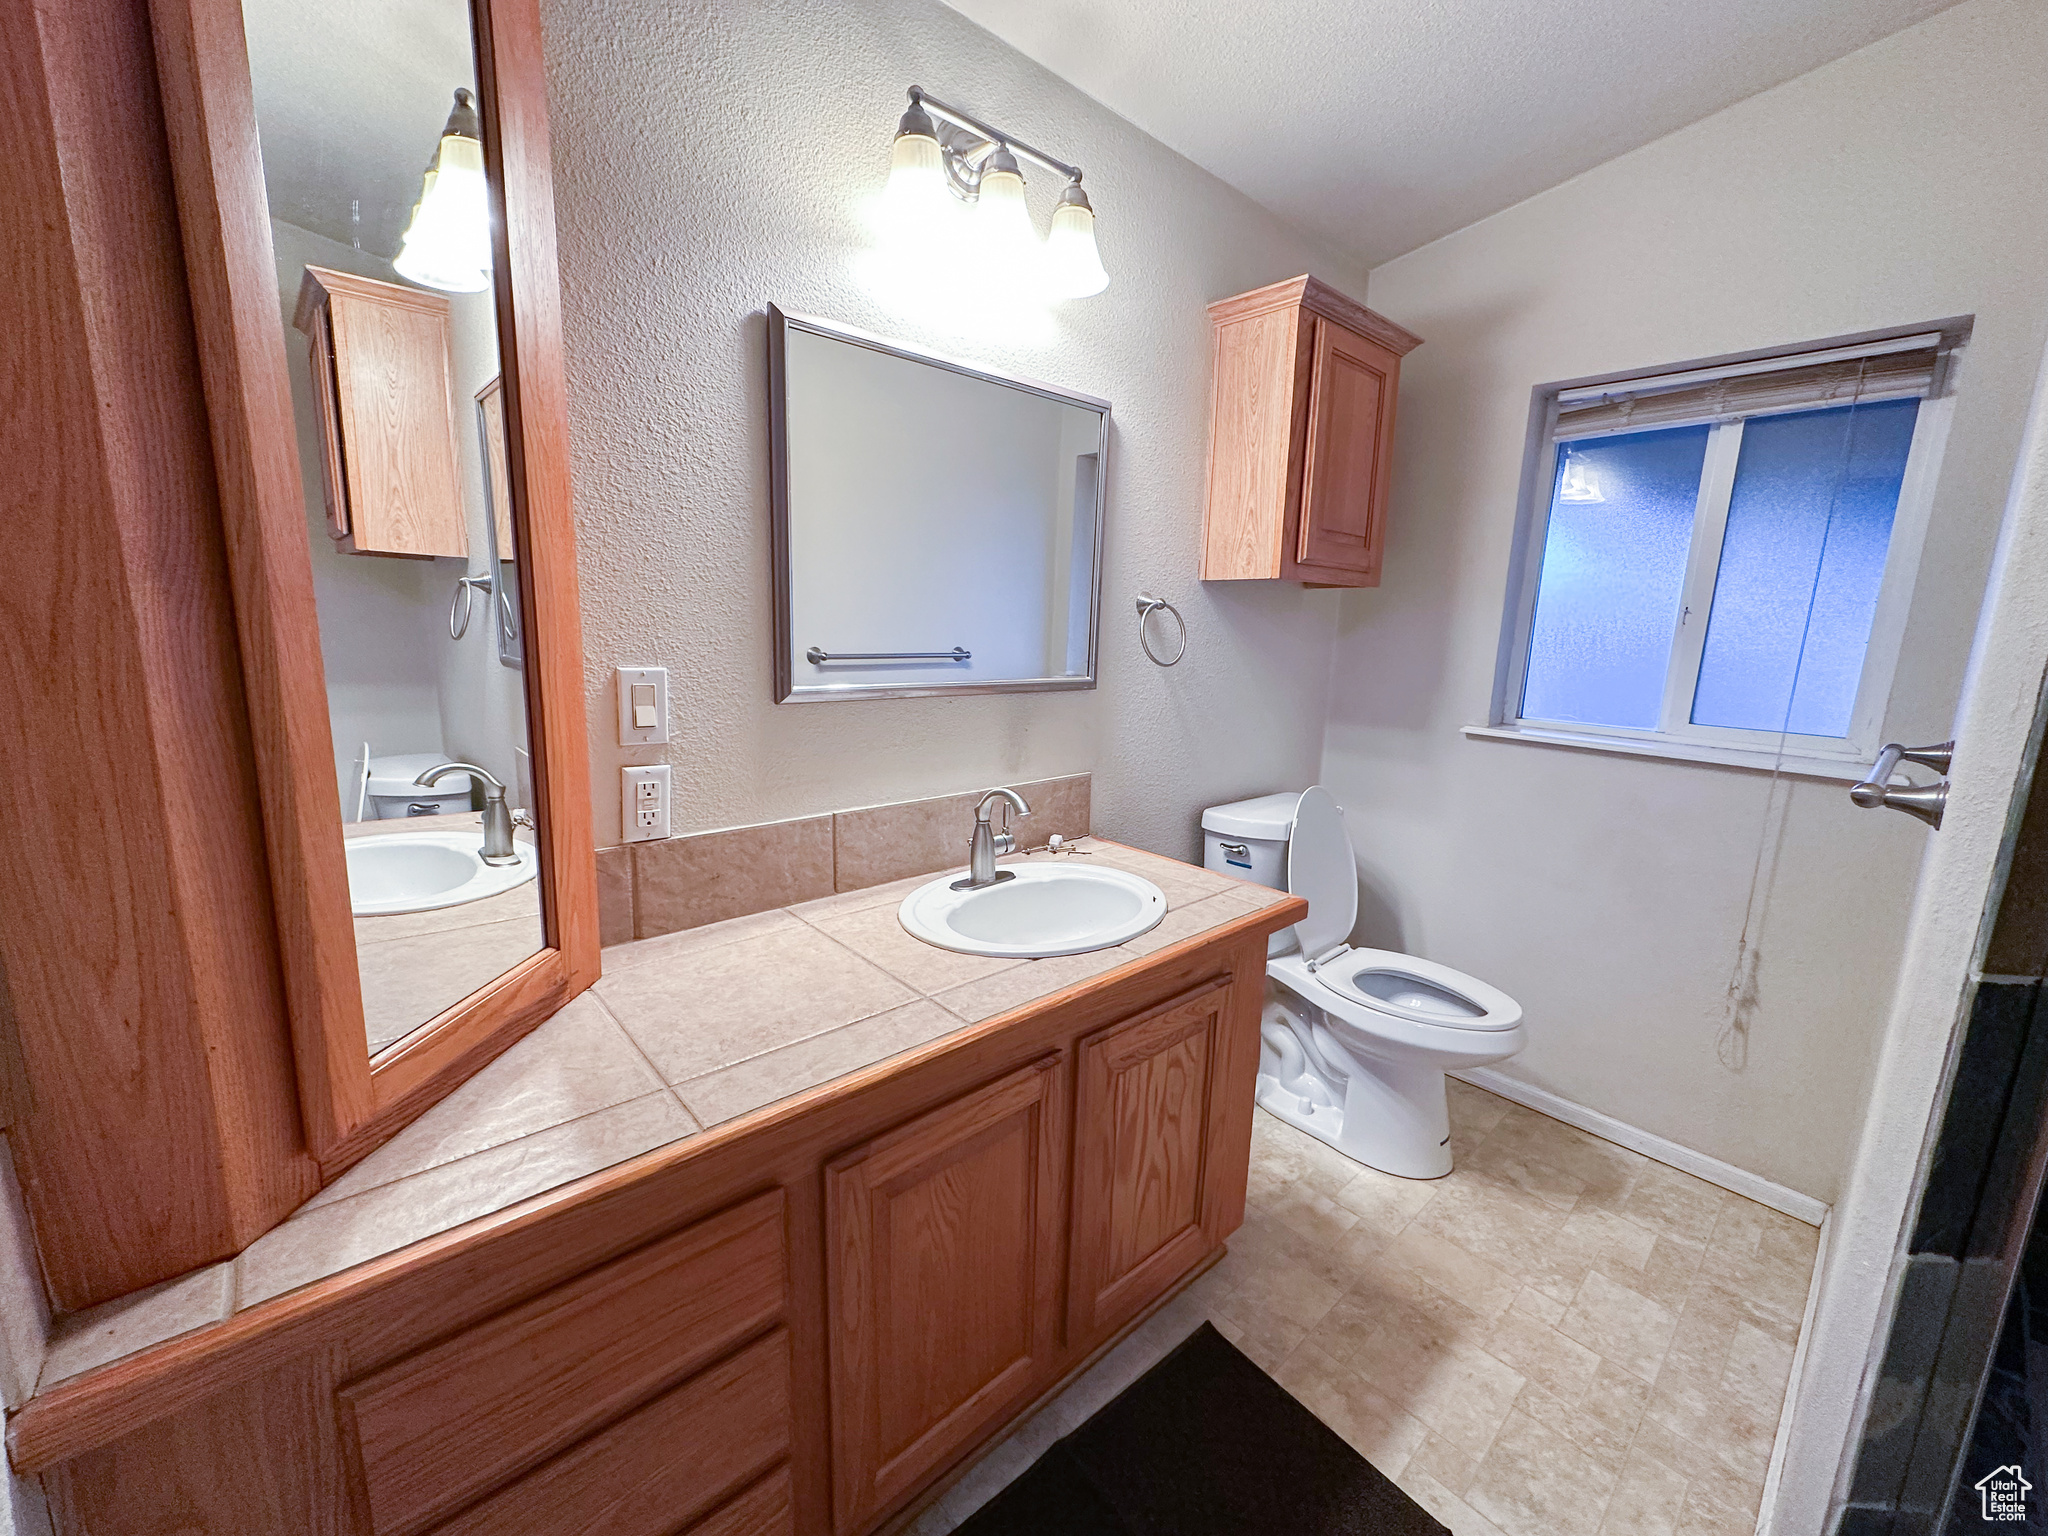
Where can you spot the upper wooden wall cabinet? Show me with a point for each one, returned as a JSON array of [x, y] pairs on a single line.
[[381, 389], [1300, 453]]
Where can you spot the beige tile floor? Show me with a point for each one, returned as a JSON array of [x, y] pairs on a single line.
[[1562, 1338]]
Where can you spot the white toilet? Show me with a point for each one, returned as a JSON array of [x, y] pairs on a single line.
[[1355, 1041]]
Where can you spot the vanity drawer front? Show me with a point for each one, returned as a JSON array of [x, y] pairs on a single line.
[[473, 1412], [660, 1468], [766, 1509]]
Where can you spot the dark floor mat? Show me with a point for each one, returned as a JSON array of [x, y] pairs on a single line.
[[1052, 1494], [1203, 1444]]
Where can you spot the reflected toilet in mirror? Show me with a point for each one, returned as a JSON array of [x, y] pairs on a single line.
[[385, 290]]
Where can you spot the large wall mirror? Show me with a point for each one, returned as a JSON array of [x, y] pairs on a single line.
[[938, 527], [389, 319], [419, 736]]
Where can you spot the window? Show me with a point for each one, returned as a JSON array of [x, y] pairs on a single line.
[[1718, 561]]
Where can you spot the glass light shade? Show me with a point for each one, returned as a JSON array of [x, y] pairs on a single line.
[[1005, 241], [1073, 266], [1578, 483], [916, 196], [448, 243]]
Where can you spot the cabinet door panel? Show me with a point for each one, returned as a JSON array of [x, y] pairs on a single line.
[[943, 1277], [1146, 1113], [398, 434], [1351, 427]]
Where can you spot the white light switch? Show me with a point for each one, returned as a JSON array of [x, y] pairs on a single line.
[[643, 706], [643, 802]]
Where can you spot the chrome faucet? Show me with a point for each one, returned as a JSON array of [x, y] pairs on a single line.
[[498, 820], [987, 841]]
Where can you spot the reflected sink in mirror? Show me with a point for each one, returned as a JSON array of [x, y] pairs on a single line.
[[1044, 910], [425, 871]]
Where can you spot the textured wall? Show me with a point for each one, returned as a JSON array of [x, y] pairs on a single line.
[[712, 158], [1605, 893]]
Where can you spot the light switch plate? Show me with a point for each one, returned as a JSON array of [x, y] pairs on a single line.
[[643, 706], [643, 802]]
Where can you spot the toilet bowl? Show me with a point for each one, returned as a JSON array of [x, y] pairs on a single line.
[[1354, 1042]]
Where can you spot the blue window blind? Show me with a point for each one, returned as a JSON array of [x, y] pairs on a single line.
[[1614, 559], [1802, 559]]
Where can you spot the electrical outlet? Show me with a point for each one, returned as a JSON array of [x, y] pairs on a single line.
[[643, 706], [643, 801]]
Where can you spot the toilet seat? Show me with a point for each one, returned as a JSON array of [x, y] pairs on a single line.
[[1354, 1043], [1370, 988], [1406, 1034], [1422, 992]]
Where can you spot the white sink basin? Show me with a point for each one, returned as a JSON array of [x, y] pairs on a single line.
[[421, 871], [1048, 909]]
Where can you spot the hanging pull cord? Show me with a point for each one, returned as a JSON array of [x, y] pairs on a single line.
[[1742, 996]]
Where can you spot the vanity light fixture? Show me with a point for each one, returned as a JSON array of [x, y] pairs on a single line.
[[447, 245], [940, 149]]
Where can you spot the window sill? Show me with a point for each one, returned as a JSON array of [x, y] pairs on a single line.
[[1804, 765]]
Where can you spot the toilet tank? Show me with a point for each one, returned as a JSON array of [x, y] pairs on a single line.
[[1248, 839], [392, 792]]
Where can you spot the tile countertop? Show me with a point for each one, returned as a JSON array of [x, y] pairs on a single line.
[[683, 1032], [414, 964]]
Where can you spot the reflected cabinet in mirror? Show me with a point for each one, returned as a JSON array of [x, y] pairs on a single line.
[[937, 526], [409, 267]]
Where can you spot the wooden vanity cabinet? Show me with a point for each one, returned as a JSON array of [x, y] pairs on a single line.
[[1301, 439], [382, 394], [800, 1325]]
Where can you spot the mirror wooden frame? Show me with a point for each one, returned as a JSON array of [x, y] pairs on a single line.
[[348, 1104]]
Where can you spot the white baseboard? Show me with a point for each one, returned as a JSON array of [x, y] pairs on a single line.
[[1767, 1515], [1800, 1207]]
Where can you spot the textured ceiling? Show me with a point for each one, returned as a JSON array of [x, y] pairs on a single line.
[[1382, 125], [350, 99]]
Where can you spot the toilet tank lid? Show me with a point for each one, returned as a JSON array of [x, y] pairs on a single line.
[[394, 775], [1270, 817]]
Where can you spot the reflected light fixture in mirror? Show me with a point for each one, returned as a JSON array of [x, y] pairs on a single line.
[[1578, 482], [447, 245], [943, 158]]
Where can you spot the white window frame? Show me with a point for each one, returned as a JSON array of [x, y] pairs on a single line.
[[1676, 736]]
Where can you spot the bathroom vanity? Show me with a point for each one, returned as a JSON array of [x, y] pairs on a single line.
[[804, 1319]]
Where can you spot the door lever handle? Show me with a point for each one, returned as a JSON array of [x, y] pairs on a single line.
[[1924, 801]]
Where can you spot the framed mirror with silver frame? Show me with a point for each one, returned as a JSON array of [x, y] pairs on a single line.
[[937, 525]]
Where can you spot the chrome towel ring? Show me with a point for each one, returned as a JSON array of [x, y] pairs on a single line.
[[466, 588], [1149, 605]]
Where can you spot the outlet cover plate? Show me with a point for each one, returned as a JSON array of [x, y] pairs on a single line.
[[643, 802]]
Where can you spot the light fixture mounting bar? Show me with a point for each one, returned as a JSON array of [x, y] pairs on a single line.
[[994, 135]]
